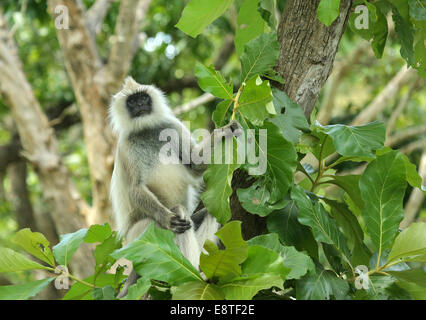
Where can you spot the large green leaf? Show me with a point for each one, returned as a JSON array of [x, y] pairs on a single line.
[[245, 287], [137, 290], [321, 285], [405, 34], [80, 291], [290, 231], [323, 227], [218, 179], [353, 141], [352, 230], [23, 291], [98, 233], [410, 244], [382, 188], [222, 113], [328, 11], [417, 276], [12, 261], [416, 291], [298, 262], [290, 117], [417, 9], [197, 290], [212, 81], [255, 102], [225, 263], [68, 245], [36, 244], [249, 24], [260, 55], [281, 161], [198, 14], [155, 256]]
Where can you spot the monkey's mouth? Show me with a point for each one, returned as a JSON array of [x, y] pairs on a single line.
[[139, 104]]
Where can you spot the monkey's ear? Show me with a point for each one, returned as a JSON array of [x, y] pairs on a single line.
[[130, 84]]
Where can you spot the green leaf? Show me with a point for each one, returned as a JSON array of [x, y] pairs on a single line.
[[98, 233], [249, 24], [416, 291], [267, 10], [290, 231], [382, 188], [410, 244], [255, 101], [23, 291], [353, 141], [80, 291], [225, 263], [245, 287], [290, 117], [298, 262], [222, 113], [105, 293], [321, 285], [155, 256], [405, 34], [417, 276], [137, 290], [255, 199], [198, 14], [281, 161], [197, 290], [260, 55], [213, 82], [102, 253], [68, 245], [323, 227], [36, 244], [218, 179], [350, 184], [417, 9], [262, 260], [12, 261], [328, 11], [413, 177]]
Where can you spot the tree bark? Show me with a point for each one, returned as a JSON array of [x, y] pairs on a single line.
[[308, 49]]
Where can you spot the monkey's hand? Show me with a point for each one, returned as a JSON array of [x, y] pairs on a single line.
[[179, 222]]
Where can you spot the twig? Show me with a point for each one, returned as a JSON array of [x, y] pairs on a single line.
[[205, 98]]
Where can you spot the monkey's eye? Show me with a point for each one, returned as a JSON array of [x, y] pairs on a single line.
[[138, 104]]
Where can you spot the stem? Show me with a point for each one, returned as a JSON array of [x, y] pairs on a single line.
[[82, 281], [306, 174], [321, 165], [236, 101]]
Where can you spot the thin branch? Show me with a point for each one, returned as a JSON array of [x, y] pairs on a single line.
[[127, 29], [415, 145], [405, 134], [403, 102], [387, 94], [203, 99], [415, 201], [95, 16]]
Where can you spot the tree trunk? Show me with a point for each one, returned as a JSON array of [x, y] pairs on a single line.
[[308, 49]]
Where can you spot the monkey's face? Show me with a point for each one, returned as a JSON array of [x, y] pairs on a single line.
[[139, 104]]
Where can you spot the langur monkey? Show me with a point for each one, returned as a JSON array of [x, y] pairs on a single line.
[[146, 190]]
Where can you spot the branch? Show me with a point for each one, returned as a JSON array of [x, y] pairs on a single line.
[[403, 102], [339, 72], [415, 201], [385, 96], [41, 147], [419, 144], [405, 134], [122, 51], [203, 99], [95, 16]]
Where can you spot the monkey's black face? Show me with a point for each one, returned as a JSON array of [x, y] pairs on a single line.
[[139, 104]]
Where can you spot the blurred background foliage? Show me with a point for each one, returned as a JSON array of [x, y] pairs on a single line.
[[167, 56]]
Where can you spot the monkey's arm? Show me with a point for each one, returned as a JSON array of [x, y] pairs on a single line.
[[233, 129], [150, 207]]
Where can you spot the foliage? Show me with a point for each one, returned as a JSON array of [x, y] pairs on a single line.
[[314, 243]]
